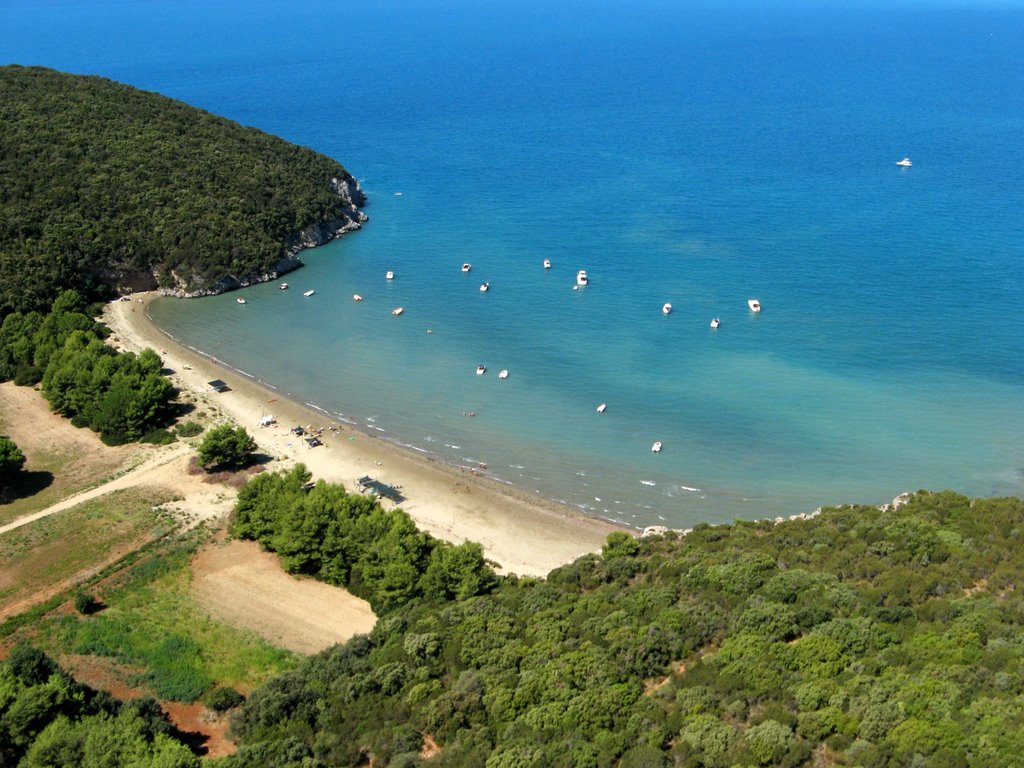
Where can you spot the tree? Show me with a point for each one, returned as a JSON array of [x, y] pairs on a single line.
[[226, 447], [11, 460]]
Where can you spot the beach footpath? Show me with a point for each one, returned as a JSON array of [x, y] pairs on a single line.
[[521, 532]]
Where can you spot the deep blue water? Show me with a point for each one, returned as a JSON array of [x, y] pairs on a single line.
[[691, 155]]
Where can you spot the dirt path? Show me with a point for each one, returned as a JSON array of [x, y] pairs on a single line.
[[246, 587], [152, 471]]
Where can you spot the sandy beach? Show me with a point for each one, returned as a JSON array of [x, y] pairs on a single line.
[[521, 532]]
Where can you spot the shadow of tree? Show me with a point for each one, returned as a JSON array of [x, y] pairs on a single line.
[[24, 485]]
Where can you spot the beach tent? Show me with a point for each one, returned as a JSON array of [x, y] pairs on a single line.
[[266, 421], [218, 386], [313, 442]]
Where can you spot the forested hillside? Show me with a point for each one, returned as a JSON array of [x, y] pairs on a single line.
[[862, 637], [104, 183]]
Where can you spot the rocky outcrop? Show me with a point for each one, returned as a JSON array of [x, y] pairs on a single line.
[[348, 219]]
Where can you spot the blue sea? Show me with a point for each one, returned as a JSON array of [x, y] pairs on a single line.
[[697, 154]]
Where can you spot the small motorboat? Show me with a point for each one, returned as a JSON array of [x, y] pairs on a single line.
[[240, 301], [283, 286], [466, 267], [656, 448], [715, 322], [904, 163], [581, 277], [309, 292], [485, 287], [503, 374], [389, 275], [397, 311], [481, 370], [601, 408], [754, 304], [666, 308], [356, 297], [398, 194], [547, 263]]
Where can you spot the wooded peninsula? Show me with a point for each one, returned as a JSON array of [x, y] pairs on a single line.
[[105, 185]]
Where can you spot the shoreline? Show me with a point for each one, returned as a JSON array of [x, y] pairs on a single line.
[[523, 533]]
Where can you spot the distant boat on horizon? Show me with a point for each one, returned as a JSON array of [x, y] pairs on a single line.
[[905, 162]]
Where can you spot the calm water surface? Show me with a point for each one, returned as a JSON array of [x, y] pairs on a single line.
[[698, 157]]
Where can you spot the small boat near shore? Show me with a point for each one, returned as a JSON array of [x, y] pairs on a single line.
[[601, 408], [356, 297], [581, 277], [397, 311], [283, 286], [904, 163], [666, 308], [389, 275], [547, 263], [240, 301], [310, 292], [715, 322], [485, 287], [466, 267], [754, 304], [656, 448], [481, 370], [503, 374]]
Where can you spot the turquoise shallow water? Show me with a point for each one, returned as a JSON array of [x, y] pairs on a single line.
[[692, 156]]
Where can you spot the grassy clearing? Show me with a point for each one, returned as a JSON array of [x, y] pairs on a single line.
[[60, 473], [151, 622], [44, 556]]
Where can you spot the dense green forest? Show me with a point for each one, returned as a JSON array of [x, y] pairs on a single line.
[[862, 637], [351, 540], [47, 720], [123, 396], [102, 181]]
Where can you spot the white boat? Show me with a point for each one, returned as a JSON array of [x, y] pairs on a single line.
[[240, 301], [397, 311], [666, 308], [754, 304], [656, 448], [581, 277], [503, 374], [547, 263], [309, 292], [601, 408], [715, 322], [398, 194], [389, 275], [466, 267], [283, 286], [481, 370], [356, 297], [485, 286], [904, 163]]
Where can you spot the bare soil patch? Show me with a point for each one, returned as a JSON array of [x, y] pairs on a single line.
[[206, 730], [247, 588]]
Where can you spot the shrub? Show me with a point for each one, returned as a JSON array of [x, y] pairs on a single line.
[[226, 447], [223, 699], [86, 603], [158, 437], [188, 429]]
